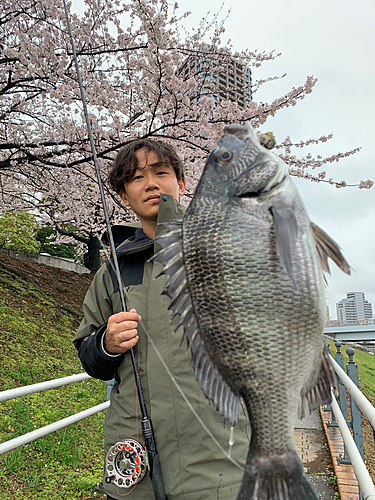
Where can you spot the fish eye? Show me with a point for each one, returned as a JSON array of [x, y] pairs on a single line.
[[225, 156]]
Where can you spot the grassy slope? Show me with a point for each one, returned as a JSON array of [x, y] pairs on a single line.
[[36, 345], [366, 369]]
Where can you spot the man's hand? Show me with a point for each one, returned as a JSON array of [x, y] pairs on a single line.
[[122, 332]]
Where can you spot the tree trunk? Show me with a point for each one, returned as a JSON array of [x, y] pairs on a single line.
[[92, 257]]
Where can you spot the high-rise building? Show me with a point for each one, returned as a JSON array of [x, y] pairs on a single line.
[[354, 309], [228, 80]]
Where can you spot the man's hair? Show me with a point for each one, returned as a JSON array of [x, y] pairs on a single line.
[[126, 162]]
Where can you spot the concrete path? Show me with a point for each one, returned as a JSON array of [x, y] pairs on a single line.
[[320, 448], [313, 449], [346, 480]]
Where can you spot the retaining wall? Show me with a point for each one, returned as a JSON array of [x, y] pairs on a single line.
[[48, 260]]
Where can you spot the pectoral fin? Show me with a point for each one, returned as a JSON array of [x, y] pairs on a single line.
[[286, 234], [327, 247]]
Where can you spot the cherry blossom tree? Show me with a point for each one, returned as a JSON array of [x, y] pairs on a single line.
[[131, 55]]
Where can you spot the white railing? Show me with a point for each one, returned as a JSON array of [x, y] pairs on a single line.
[[43, 431], [363, 403], [364, 479], [353, 447], [60, 424], [42, 386]]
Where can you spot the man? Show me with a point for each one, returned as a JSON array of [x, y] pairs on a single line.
[[148, 176]]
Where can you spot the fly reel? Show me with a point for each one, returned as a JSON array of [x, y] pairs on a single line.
[[126, 463]]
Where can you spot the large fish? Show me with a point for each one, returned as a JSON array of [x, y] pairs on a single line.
[[245, 275]]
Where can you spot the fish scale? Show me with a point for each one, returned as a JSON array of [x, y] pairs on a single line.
[[250, 295], [238, 274]]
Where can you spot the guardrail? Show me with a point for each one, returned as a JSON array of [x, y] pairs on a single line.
[[363, 403], [364, 479], [353, 446], [42, 386], [48, 429]]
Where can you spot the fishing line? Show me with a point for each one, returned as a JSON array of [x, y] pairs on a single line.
[[176, 384]]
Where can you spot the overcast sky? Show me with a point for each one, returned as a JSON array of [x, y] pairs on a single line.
[[333, 40]]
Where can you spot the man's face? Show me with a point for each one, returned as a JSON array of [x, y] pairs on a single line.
[[151, 178]]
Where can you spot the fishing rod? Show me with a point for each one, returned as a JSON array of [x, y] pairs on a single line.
[[147, 430]]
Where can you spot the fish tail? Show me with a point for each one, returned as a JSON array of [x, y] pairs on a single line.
[[280, 477]]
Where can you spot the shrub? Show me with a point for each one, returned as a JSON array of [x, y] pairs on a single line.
[[18, 232]]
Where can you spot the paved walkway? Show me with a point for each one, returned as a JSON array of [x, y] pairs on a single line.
[[319, 447], [314, 452], [346, 480]]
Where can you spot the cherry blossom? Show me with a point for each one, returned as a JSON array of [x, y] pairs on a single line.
[[131, 54]]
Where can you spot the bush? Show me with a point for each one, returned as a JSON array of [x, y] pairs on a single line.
[[18, 231]]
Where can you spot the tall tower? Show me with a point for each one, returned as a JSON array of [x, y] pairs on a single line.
[[228, 80], [354, 309]]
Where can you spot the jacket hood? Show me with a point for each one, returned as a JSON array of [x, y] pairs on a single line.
[[121, 233]]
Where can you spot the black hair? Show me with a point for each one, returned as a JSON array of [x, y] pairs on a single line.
[[126, 161]]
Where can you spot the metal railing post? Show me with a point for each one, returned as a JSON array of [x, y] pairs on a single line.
[[339, 357], [364, 479], [328, 406], [356, 423], [363, 403], [352, 371]]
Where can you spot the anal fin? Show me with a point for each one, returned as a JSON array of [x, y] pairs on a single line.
[[319, 392]]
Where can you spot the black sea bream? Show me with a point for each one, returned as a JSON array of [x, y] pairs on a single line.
[[245, 274]]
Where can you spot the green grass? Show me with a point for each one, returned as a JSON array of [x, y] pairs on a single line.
[[36, 345], [366, 369]]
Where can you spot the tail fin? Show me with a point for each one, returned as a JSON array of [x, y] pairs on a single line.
[[275, 478]]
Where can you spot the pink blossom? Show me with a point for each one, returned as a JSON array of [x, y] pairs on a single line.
[[134, 88]]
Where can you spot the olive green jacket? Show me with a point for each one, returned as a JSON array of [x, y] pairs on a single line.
[[192, 464]]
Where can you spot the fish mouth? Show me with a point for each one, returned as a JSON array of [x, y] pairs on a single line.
[[269, 189], [242, 132], [265, 187]]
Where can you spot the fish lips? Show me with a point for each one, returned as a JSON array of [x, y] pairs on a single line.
[[242, 132]]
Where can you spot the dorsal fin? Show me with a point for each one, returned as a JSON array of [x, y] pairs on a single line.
[[209, 379], [328, 248]]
